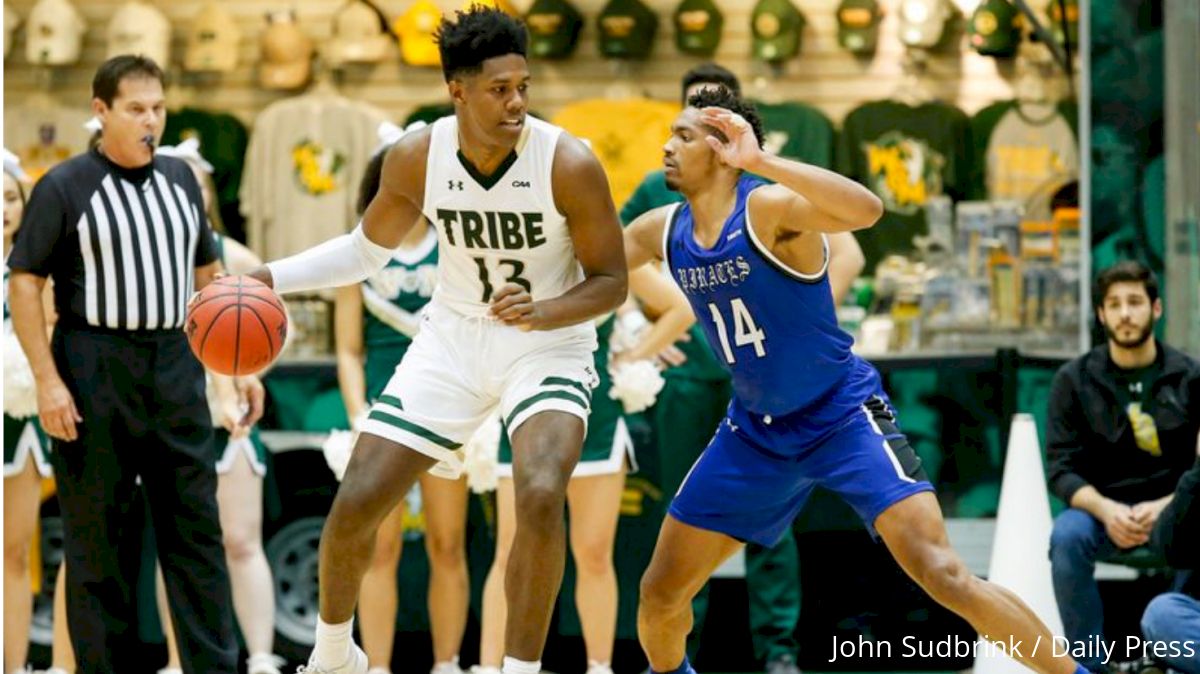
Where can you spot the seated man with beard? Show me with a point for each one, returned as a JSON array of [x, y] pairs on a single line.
[[1121, 431]]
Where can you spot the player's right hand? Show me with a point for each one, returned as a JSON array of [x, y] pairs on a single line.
[[739, 148], [56, 410], [513, 305]]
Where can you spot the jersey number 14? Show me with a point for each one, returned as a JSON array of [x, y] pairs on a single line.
[[745, 330]]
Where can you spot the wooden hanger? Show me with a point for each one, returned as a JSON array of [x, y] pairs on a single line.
[[1038, 85], [913, 88], [181, 91], [766, 87], [39, 99], [323, 85], [621, 87]]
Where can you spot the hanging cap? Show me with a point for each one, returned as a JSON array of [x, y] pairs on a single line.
[[54, 33], [416, 28], [286, 53], [923, 22], [995, 28], [212, 41], [698, 26], [360, 35], [858, 25], [554, 27], [140, 29], [11, 21], [627, 29], [776, 26]]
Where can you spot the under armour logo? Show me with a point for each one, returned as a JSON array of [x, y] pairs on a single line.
[[456, 185], [520, 183]]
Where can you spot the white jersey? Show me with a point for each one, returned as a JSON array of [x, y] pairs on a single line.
[[497, 229]]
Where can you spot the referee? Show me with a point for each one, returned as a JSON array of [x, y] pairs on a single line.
[[124, 237]]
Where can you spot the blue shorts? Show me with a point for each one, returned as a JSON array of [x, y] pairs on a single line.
[[753, 479]]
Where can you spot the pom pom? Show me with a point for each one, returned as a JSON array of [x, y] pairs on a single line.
[[480, 456], [636, 385], [339, 445], [337, 450], [628, 330]]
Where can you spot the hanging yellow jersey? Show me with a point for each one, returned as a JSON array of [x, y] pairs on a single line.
[[627, 136]]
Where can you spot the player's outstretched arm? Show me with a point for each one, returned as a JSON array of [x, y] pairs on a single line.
[[805, 197], [353, 257], [581, 194], [644, 237]]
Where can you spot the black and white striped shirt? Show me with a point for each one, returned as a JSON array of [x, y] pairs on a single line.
[[122, 245]]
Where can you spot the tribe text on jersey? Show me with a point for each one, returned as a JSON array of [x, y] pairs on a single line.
[[497, 229]]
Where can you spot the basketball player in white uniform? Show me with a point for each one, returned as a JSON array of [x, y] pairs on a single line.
[[530, 251]]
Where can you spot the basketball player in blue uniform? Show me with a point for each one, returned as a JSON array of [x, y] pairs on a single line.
[[751, 260]]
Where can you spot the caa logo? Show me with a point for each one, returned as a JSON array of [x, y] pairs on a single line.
[[520, 183]]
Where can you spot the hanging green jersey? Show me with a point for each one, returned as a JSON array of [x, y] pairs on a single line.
[[905, 154], [797, 131], [223, 143]]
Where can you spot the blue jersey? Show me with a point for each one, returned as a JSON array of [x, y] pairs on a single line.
[[774, 328]]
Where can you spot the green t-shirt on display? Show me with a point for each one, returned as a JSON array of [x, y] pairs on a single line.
[[905, 154], [223, 142], [797, 131]]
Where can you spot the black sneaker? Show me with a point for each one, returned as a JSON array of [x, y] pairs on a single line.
[[783, 665]]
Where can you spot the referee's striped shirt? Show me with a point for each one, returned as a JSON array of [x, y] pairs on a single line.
[[122, 245]]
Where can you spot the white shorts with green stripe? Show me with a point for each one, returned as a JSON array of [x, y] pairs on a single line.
[[459, 369]]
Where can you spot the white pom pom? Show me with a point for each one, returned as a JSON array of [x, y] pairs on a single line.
[[628, 330], [340, 445], [636, 385], [337, 450], [480, 456], [20, 388]]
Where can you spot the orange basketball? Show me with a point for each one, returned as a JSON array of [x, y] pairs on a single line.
[[236, 325]]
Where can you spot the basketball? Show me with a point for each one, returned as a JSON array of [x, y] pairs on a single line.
[[236, 325]]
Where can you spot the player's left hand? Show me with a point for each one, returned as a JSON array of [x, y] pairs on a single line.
[[513, 305], [250, 390], [740, 147]]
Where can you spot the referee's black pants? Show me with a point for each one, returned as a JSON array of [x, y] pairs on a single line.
[[141, 396]]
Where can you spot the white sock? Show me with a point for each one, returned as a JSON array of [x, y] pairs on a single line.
[[333, 643], [515, 666]]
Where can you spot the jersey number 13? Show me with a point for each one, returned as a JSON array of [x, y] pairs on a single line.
[[515, 269]]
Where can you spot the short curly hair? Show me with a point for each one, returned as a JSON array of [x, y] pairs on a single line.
[[476, 35], [720, 97]]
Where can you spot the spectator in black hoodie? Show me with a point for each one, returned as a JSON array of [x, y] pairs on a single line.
[[1121, 431], [1172, 620]]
